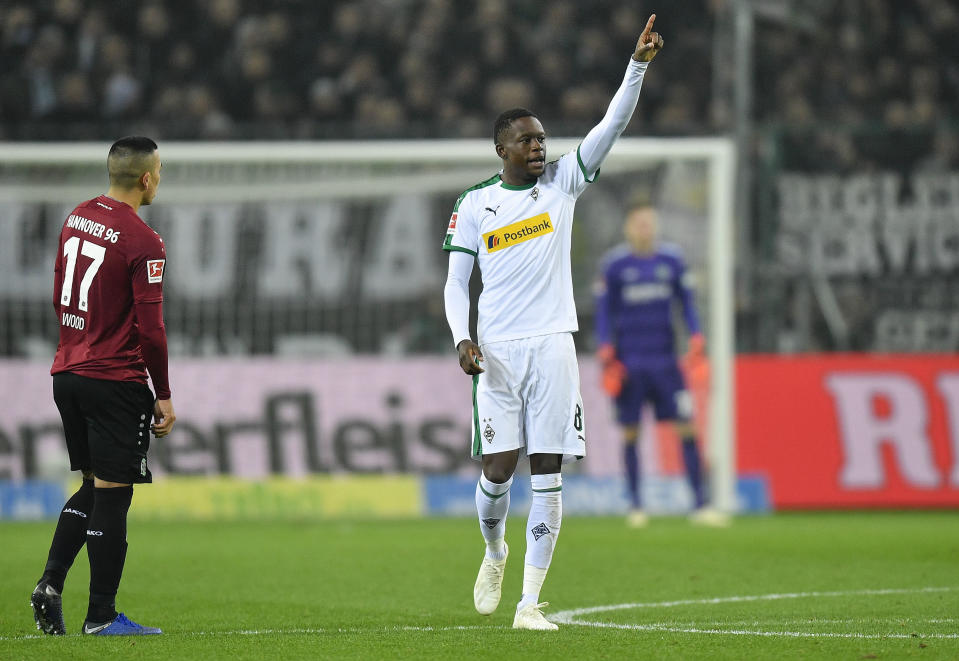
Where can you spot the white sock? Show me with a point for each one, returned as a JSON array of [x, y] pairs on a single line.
[[492, 505], [542, 529]]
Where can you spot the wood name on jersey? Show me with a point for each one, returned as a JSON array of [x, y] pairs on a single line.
[[73, 321]]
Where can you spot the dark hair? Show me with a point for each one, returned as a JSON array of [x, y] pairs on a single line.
[[506, 119], [135, 144], [640, 201], [128, 159]]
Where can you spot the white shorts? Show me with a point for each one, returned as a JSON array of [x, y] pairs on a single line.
[[528, 397]]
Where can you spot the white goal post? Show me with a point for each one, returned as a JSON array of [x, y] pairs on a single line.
[[271, 172]]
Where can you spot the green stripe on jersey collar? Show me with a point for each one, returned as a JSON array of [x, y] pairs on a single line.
[[483, 184], [511, 187]]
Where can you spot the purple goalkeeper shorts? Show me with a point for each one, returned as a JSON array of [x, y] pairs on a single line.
[[661, 385]]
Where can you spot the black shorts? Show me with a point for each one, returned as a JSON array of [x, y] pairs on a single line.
[[107, 426]]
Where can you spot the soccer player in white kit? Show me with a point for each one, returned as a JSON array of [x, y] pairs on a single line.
[[518, 225]]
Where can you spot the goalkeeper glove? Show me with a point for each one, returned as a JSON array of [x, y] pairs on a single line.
[[614, 372], [694, 362]]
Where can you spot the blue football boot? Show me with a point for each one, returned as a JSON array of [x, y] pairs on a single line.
[[121, 625]]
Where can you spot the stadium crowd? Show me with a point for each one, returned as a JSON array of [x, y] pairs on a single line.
[[233, 69]]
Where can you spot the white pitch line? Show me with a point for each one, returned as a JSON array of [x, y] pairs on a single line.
[[567, 616], [289, 632], [891, 621], [666, 628]]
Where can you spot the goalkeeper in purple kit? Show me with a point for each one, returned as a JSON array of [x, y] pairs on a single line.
[[638, 284]]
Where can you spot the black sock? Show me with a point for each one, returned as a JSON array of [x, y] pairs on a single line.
[[70, 535], [107, 549]]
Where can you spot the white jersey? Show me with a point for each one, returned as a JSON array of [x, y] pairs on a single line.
[[521, 236]]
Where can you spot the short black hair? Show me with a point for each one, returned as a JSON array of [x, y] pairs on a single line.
[[128, 159], [506, 119], [640, 201]]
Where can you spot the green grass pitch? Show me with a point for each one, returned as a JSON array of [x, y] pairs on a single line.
[[785, 586]]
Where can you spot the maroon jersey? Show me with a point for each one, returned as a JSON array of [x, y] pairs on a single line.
[[109, 260]]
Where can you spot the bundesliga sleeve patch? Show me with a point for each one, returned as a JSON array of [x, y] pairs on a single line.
[[450, 231], [155, 270]]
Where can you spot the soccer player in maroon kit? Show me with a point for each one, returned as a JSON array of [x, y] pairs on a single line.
[[108, 295]]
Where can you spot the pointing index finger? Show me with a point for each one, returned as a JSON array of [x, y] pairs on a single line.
[[649, 26]]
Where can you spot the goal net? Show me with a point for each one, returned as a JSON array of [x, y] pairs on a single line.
[[333, 250]]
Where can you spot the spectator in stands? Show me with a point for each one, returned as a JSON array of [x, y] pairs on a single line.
[[291, 70]]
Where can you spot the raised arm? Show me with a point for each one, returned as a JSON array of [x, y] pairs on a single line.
[[600, 139]]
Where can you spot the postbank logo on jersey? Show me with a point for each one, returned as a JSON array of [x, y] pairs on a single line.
[[524, 230], [155, 270]]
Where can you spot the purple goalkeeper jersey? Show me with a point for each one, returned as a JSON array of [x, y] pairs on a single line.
[[634, 299]]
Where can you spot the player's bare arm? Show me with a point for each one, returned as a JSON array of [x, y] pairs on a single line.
[[470, 357], [649, 43], [163, 417]]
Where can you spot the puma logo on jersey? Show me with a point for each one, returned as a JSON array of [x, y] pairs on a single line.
[[492, 210], [155, 270], [524, 230]]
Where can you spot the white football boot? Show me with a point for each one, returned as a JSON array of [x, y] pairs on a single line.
[[712, 518], [489, 584], [531, 617], [637, 519]]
